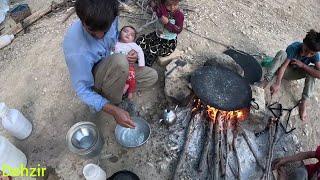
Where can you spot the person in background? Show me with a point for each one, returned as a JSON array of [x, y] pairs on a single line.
[[310, 171], [98, 77], [163, 41], [127, 45], [300, 60]]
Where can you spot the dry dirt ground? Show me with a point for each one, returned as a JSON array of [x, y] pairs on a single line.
[[34, 78]]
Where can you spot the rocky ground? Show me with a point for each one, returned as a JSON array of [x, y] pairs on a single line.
[[34, 78]]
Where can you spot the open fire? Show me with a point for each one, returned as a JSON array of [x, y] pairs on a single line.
[[230, 116]]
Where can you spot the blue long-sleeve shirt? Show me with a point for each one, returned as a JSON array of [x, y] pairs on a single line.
[[81, 52]]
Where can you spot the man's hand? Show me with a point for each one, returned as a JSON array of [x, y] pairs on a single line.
[[132, 56], [297, 63], [274, 88], [121, 116], [164, 20]]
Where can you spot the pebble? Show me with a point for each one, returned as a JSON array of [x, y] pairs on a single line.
[[150, 164]]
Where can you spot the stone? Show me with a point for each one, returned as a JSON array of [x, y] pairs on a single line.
[[177, 89], [176, 83], [259, 98], [163, 61]]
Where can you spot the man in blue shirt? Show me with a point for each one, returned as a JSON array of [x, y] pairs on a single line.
[[300, 60], [98, 77]]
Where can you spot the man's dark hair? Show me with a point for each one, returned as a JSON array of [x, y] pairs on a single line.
[[312, 40], [134, 29], [98, 15]]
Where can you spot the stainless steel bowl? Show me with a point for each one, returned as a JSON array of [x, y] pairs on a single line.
[[84, 138], [133, 137]]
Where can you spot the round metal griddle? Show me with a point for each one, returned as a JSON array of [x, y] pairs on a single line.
[[221, 88]]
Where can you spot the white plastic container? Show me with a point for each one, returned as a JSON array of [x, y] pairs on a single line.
[[14, 122], [5, 40], [94, 172], [10, 155]]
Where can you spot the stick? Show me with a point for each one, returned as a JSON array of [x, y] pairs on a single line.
[[227, 146], [215, 174], [235, 132], [186, 144], [133, 17], [244, 134], [233, 171], [124, 7], [272, 140], [147, 24], [202, 167], [71, 11], [33, 18], [222, 154]]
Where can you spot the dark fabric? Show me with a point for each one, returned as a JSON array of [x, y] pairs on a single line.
[[314, 168], [294, 50], [153, 46], [177, 15]]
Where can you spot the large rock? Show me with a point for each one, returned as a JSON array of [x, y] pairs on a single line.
[[176, 83], [259, 98]]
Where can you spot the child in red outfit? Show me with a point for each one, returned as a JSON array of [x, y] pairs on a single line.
[[126, 45], [163, 41]]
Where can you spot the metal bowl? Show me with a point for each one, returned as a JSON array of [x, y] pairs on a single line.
[[84, 138], [133, 137]]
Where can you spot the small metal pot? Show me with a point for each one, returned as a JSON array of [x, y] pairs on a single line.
[[136, 137], [169, 116], [84, 139]]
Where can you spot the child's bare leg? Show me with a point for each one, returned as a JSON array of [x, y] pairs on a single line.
[[130, 95], [125, 89]]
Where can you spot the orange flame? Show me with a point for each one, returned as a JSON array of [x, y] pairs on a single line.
[[237, 115]]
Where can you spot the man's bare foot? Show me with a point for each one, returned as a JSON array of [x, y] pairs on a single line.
[[302, 110], [130, 95]]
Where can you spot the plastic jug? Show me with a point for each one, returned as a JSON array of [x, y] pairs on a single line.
[[10, 156], [14, 122], [5, 40], [94, 172]]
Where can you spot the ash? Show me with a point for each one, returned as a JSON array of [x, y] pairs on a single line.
[[249, 167]]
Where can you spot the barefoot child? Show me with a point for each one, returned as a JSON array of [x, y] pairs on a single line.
[[310, 171], [300, 60], [126, 45], [163, 41]]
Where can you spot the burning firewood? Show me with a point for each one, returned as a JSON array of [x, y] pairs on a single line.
[[205, 156], [217, 158], [184, 163], [273, 133], [244, 134], [235, 134]]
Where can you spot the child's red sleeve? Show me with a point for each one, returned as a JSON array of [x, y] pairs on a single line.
[[178, 26], [318, 153], [161, 10]]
